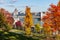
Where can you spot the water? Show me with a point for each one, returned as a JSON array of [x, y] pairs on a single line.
[[35, 21]]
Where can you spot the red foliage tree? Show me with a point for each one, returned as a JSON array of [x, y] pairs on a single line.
[[8, 16], [18, 23], [52, 17]]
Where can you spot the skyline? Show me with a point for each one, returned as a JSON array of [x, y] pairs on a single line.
[[35, 5]]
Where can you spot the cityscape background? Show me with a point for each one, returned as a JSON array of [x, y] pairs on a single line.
[[21, 16], [17, 8]]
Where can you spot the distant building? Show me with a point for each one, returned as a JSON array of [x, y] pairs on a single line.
[[20, 16], [42, 14], [36, 13], [15, 15]]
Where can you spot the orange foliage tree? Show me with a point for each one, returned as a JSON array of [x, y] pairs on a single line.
[[52, 18], [28, 20]]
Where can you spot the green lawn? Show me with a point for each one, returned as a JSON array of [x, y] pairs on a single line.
[[15, 36], [20, 35]]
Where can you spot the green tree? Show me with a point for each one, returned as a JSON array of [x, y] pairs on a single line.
[[2, 20], [38, 27]]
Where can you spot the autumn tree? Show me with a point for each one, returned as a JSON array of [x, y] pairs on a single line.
[[18, 25], [38, 27], [6, 20], [2, 21], [7, 15], [52, 18], [28, 20]]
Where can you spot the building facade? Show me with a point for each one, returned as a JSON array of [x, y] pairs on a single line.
[[20, 16]]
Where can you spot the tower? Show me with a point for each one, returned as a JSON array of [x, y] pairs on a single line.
[[15, 15]]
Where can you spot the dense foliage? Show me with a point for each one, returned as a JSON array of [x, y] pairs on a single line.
[[28, 20], [6, 20], [14, 36], [52, 18]]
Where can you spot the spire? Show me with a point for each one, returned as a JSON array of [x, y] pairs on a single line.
[[58, 4]]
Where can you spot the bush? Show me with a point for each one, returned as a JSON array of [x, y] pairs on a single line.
[[14, 36]]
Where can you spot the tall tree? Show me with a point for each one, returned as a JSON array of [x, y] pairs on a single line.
[[52, 18], [28, 20]]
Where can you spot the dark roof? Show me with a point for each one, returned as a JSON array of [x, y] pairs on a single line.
[[21, 14]]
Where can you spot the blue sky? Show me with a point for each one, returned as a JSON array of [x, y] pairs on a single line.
[[36, 5]]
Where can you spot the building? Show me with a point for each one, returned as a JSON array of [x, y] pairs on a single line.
[[20, 16], [15, 15]]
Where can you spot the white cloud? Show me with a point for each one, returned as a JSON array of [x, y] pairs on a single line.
[[10, 5], [2, 1], [13, 1]]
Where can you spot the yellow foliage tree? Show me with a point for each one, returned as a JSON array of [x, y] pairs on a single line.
[[37, 27], [28, 20]]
